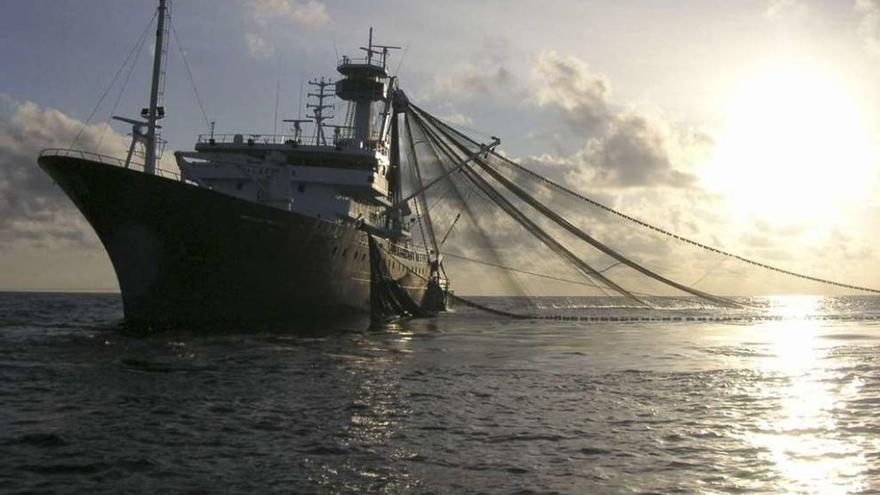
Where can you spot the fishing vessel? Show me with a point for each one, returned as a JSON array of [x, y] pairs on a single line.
[[361, 216], [257, 227]]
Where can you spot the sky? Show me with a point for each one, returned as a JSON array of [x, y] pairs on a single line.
[[748, 125]]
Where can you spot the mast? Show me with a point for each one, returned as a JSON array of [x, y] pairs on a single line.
[[394, 175], [318, 109], [153, 111], [435, 249]]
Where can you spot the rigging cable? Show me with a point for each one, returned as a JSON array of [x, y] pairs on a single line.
[[421, 197], [422, 228], [402, 58], [483, 237], [131, 67], [446, 236], [112, 82], [667, 233], [189, 73], [571, 228], [558, 279], [529, 225], [524, 272]]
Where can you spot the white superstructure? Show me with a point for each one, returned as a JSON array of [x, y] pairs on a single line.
[[343, 174]]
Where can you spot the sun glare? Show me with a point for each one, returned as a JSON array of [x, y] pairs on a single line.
[[796, 148]]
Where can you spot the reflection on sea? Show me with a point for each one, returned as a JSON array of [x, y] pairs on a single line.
[[801, 435], [462, 403], [375, 407]]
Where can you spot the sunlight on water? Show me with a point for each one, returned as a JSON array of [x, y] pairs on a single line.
[[801, 433], [457, 404], [795, 307], [374, 414]]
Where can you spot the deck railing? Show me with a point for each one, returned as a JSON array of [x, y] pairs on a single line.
[[106, 160], [374, 62], [253, 139], [413, 253], [304, 139], [344, 139]]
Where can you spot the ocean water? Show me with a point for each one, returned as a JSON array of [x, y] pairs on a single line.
[[463, 403]]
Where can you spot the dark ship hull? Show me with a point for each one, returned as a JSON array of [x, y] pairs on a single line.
[[184, 254]]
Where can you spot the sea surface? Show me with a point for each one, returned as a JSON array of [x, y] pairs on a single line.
[[462, 403]]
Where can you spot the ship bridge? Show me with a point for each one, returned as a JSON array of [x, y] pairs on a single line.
[[366, 85]]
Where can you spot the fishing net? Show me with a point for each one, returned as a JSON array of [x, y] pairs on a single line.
[[518, 243]]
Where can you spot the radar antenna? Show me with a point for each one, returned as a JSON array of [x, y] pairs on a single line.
[[139, 135], [318, 108], [371, 50]]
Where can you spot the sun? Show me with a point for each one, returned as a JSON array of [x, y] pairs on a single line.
[[795, 150]]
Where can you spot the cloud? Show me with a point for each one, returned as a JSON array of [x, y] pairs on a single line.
[[565, 82], [257, 46], [869, 24], [641, 162], [35, 211], [280, 15], [487, 72], [620, 148], [469, 80], [634, 153], [308, 13]]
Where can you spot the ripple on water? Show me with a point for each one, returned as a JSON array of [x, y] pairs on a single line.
[[474, 405]]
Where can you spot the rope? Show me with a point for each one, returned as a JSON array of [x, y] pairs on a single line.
[[529, 225], [192, 80], [658, 229], [112, 82], [400, 62], [138, 50], [487, 309], [525, 272], [421, 197], [421, 226], [559, 279], [646, 319], [562, 222], [468, 210]]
